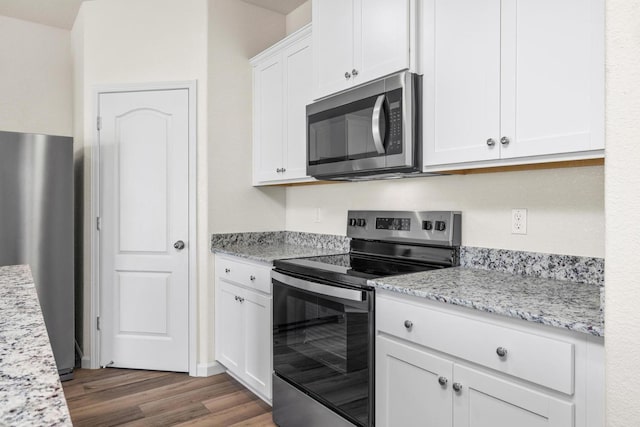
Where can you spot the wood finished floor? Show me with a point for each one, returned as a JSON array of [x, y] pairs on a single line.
[[124, 397]]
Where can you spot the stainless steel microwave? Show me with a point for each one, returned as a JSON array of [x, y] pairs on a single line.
[[372, 131]]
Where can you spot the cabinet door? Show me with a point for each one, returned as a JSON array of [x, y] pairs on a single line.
[[487, 401], [407, 389], [461, 91], [229, 326], [332, 45], [257, 342], [381, 38], [552, 76], [297, 66], [268, 115]]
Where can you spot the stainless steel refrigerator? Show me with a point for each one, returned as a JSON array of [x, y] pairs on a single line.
[[36, 228]]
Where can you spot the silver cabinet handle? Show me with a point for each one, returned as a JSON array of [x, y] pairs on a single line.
[[252, 277], [227, 270], [375, 124], [457, 387], [442, 381], [347, 75], [241, 299], [179, 245], [501, 351], [354, 72], [491, 142], [504, 140], [278, 170], [283, 170], [236, 297], [408, 324]]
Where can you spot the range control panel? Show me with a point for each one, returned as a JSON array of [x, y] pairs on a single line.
[[428, 227]]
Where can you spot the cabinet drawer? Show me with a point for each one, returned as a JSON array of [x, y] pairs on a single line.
[[247, 274], [539, 359]]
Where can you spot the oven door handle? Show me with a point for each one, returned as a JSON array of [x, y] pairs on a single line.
[[319, 288], [378, 109]]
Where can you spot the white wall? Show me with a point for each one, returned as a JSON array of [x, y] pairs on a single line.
[[565, 206], [140, 41], [622, 203], [237, 31], [36, 92], [299, 17]]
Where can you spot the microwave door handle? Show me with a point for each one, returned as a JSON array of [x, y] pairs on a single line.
[[375, 124]]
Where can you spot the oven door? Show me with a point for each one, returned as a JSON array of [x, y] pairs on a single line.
[[367, 129], [323, 343]]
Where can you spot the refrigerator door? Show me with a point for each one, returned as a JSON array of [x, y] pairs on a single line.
[[36, 227]]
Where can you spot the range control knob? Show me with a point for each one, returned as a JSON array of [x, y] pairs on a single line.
[[441, 225], [361, 222], [353, 222], [427, 225]]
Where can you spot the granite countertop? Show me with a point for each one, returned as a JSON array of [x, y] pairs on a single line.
[[30, 389], [563, 304], [270, 252], [270, 246]]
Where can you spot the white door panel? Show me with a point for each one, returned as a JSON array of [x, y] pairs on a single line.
[[144, 210], [461, 80], [549, 86]]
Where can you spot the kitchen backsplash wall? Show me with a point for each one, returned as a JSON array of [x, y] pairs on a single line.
[[547, 266], [565, 207]]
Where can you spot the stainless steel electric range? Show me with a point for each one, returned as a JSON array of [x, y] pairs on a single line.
[[323, 314]]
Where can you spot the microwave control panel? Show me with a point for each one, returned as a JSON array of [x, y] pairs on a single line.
[[394, 136]]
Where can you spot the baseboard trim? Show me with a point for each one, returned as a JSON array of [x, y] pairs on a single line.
[[85, 363], [209, 369]]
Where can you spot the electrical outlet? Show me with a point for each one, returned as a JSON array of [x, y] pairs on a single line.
[[518, 221]]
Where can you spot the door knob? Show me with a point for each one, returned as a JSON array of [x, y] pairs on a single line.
[[179, 245]]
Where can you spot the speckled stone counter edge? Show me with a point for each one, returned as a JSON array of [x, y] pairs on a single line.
[[546, 266], [314, 240], [30, 390]]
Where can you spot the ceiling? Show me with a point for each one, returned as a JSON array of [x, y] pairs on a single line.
[[62, 13]]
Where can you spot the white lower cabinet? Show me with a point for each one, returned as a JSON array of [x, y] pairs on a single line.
[[243, 322], [436, 373]]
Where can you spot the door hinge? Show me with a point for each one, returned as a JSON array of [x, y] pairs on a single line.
[[99, 122], [98, 322], [98, 223]]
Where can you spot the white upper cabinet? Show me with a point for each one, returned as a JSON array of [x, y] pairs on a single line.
[[512, 79], [356, 41], [281, 92]]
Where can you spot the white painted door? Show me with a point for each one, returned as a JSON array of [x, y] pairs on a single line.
[[256, 310], [144, 169], [408, 389], [488, 401], [461, 54], [333, 44], [268, 119], [297, 63], [229, 326], [381, 39], [552, 76]]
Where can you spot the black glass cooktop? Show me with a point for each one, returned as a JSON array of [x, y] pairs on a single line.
[[350, 269]]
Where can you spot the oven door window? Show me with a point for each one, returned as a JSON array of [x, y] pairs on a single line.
[[322, 345], [346, 133]]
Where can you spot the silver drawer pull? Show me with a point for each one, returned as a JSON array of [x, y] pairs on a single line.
[[408, 324], [501, 351], [227, 270], [457, 387], [442, 381], [252, 277]]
